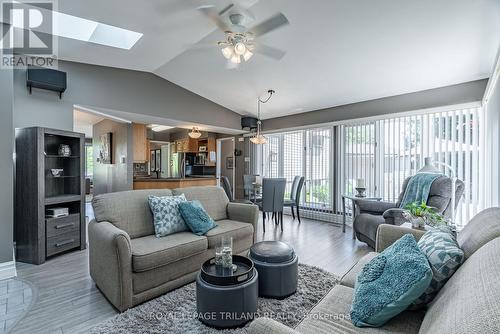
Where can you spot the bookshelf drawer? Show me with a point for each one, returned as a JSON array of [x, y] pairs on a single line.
[[63, 242], [62, 225]]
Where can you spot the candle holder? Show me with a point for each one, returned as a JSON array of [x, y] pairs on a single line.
[[361, 192]]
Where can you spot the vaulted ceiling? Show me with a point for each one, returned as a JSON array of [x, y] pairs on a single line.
[[337, 52]]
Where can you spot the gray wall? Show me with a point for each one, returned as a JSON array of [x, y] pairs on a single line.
[[117, 176], [6, 166], [117, 89], [461, 93]]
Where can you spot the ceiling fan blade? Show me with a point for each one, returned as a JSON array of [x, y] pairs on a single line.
[[269, 51], [212, 13], [269, 25]]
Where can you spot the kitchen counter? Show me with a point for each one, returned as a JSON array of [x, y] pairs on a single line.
[[172, 183]]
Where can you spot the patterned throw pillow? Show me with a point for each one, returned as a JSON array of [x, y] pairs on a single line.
[[389, 283], [166, 216], [196, 218], [441, 249]]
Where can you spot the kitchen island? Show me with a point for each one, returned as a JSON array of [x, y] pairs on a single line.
[[172, 183]]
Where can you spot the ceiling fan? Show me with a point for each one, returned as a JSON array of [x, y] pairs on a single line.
[[240, 42]]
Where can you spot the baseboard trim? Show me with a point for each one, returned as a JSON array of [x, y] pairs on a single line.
[[8, 270]]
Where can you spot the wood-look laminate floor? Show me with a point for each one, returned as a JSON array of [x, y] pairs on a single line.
[[66, 299]]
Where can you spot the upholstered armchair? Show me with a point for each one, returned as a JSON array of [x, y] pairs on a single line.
[[370, 214]]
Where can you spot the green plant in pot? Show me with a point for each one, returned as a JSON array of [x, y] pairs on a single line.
[[420, 214]]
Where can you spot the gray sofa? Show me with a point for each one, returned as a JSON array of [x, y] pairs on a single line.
[[370, 214], [130, 265], [468, 303]]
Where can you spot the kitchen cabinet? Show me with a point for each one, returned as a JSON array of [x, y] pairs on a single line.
[[140, 142], [187, 145]]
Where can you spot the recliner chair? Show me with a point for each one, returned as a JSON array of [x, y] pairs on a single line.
[[370, 214]]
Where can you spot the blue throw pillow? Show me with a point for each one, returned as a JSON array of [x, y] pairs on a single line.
[[196, 218], [166, 216], [440, 246], [389, 283]]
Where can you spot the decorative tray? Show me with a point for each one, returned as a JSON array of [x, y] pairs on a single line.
[[244, 272]]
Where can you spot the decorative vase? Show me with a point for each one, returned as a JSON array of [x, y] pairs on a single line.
[[64, 150], [417, 222], [224, 257]]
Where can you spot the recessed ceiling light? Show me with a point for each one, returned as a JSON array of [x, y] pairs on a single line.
[[159, 128]]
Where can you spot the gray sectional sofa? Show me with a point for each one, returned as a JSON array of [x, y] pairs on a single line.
[[468, 303], [130, 265]]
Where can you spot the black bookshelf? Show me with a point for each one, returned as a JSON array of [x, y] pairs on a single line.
[[37, 189]]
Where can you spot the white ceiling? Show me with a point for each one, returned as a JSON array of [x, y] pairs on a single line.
[[83, 122], [338, 52]]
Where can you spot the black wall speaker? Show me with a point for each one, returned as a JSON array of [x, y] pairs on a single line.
[[46, 78], [249, 123]]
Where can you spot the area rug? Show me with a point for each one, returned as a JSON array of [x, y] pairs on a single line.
[[175, 312]]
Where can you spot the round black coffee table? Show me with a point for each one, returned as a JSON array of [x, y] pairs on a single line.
[[225, 301]]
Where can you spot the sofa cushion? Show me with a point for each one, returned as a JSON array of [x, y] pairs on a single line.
[[331, 315], [167, 218], [484, 227], [213, 199], [468, 302], [441, 249], [128, 210], [389, 283], [150, 252], [195, 217], [236, 230], [349, 278]]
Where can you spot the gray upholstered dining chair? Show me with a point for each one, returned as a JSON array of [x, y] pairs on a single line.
[[296, 191], [226, 185], [273, 193], [370, 214]]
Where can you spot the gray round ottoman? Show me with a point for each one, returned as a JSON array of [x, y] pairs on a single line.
[[226, 306], [277, 265]]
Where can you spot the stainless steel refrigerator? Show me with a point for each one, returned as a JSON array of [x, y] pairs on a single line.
[[177, 161]]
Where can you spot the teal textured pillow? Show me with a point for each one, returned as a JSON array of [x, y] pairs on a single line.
[[166, 216], [441, 249], [389, 283], [196, 218]]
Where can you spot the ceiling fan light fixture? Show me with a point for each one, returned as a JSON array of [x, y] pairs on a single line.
[[194, 133], [227, 52], [235, 59], [240, 48], [247, 55]]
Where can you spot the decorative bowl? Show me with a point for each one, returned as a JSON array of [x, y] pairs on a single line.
[[57, 172]]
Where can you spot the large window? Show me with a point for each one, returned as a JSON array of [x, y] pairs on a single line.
[[304, 153], [89, 160], [386, 151]]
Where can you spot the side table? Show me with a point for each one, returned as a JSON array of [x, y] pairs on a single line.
[[353, 199]]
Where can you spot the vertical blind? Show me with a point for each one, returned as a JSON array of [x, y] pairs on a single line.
[[300, 153], [385, 152]]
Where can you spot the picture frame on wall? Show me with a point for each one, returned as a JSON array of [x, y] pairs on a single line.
[[229, 162], [152, 161]]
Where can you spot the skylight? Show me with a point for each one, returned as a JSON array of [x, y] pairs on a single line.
[[74, 27], [159, 128]]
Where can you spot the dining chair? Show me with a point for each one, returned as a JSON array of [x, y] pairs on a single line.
[[273, 192], [249, 184], [294, 201], [226, 185]]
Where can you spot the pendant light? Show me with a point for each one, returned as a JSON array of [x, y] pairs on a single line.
[[194, 133], [259, 138]]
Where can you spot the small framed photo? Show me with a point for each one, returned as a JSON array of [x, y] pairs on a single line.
[[229, 163]]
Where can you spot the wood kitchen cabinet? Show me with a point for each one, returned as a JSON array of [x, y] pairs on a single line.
[[187, 145], [140, 142]]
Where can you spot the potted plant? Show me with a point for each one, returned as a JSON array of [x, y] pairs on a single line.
[[420, 214]]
